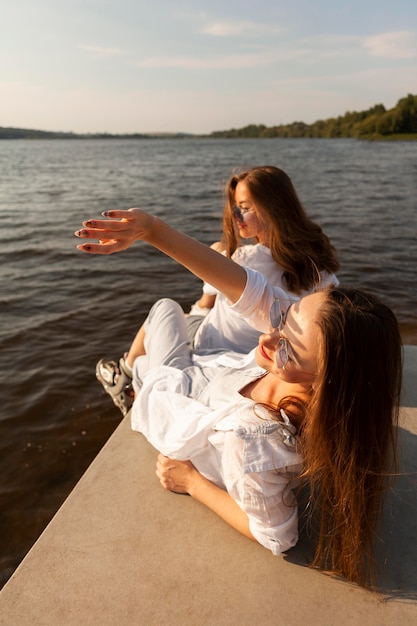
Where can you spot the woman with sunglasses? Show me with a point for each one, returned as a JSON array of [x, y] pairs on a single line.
[[290, 249], [317, 401]]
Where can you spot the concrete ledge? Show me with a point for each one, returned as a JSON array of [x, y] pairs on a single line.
[[123, 551]]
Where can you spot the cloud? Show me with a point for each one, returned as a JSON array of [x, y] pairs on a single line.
[[226, 62], [192, 63], [100, 52], [235, 29], [308, 50], [394, 45]]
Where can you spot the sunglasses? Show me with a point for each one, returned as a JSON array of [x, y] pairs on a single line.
[[239, 213], [277, 321]]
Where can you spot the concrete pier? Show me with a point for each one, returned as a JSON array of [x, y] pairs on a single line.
[[122, 551]]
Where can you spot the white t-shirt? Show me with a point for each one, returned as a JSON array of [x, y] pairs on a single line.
[[225, 329]]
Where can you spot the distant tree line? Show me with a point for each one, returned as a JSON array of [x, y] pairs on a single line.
[[26, 133], [375, 122]]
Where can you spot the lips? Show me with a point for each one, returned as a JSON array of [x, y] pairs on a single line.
[[264, 354]]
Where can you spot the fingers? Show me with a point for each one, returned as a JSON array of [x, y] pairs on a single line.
[[119, 232], [107, 244], [104, 247], [122, 214], [172, 474], [108, 225], [163, 465], [115, 234], [95, 233], [165, 480], [112, 236], [106, 230], [119, 214]]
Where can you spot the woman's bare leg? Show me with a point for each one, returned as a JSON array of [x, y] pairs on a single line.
[[137, 348]]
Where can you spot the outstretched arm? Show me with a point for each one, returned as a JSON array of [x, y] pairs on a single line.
[[206, 301], [182, 477], [125, 227]]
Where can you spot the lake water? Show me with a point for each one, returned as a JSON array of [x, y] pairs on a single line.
[[62, 310]]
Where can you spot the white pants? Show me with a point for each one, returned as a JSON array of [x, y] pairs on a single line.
[[167, 343], [166, 340]]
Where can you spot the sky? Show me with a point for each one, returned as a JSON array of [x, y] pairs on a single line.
[[126, 66]]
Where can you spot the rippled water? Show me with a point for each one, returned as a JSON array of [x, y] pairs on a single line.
[[62, 310]]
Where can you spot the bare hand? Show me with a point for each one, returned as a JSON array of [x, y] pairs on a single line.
[[175, 475], [117, 233]]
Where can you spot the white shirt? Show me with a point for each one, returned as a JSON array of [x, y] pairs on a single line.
[[224, 328], [246, 453], [230, 440]]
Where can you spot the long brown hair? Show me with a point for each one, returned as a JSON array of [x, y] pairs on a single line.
[[348, 440], [298, 245]]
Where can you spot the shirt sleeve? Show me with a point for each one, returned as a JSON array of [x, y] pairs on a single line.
[[328, 279], [209, 290], [156, 410], [255, 301], [259, 471]]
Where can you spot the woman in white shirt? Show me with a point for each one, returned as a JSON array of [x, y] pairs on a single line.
[[290, 249], [329, 386]]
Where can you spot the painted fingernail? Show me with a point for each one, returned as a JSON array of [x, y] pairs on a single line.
[[90, 224], [106, 213], [87, 248]]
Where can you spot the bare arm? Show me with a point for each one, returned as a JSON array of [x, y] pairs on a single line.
[[206, 300], [124, 228], [182, 477]]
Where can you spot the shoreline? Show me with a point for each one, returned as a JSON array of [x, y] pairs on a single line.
[[57, 136]]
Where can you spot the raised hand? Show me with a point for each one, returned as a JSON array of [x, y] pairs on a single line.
[[122, 228], [118, 232]]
